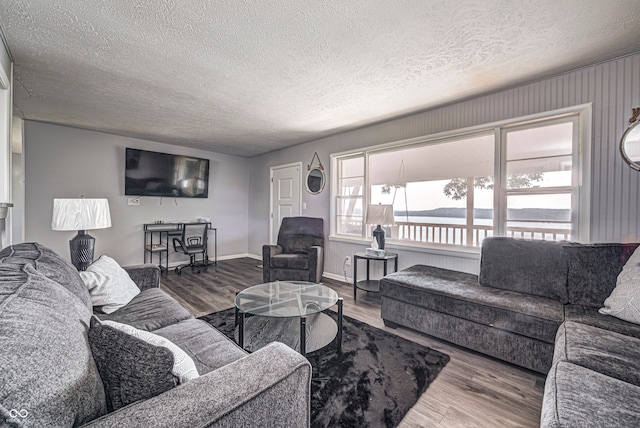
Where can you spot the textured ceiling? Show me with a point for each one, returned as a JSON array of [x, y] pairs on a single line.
[[246, 77]]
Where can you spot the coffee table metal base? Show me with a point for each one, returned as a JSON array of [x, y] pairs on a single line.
[[313, 331]]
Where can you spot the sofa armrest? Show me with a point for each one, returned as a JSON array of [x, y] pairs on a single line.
[[145, 276], [268, 251], [270, 387]]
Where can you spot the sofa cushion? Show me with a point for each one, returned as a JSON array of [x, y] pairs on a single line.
[[48, 263], [606, 352], [150, 310], [533, 267], [208, 348], [593, 270], [515, 348], [575, 396], [459, 295], [110, 286], [589, 315], [131, 368], [47, 365], [290, 261]]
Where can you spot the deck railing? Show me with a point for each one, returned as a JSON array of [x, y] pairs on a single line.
[[460, 234]]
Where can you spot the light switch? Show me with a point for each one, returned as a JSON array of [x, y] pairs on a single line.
[[304, 205]]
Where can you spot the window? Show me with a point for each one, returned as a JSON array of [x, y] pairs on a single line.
[[427, 184], [540, 183], [349, 201], [519, 178]]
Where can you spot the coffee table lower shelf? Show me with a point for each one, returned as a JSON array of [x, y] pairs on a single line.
[[303, 334], [372, 285]]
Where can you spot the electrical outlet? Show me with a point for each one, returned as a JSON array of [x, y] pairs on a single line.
[[134, 201], [348, 260]]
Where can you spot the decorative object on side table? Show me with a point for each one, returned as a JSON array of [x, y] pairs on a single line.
[[374, 250], [81, 215], [380, 215]]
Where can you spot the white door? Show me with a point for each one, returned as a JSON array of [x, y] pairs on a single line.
[[285, 195]]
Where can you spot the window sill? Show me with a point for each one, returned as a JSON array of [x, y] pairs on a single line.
[[394, 245]]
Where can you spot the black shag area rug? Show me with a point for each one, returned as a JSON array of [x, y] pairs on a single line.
[[374, 382]]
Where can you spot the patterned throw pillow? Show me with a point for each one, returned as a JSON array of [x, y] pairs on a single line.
[[624, 301], [133, 368], [183, 366], [109, 285]]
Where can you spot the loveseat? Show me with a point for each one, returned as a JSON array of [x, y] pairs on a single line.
[[535, 304], [49, 376]]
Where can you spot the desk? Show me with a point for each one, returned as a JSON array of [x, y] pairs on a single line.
[[156, 242], [370, 284]]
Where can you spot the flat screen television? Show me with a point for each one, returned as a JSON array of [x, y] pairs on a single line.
[[162, 174]]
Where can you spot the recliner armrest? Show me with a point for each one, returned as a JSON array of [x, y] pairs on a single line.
[[270, 387], [271, 250], [145, 276], [268, 251], [316, 263]]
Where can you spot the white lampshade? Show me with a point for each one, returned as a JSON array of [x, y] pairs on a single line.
[[80, 214], [380, 214]]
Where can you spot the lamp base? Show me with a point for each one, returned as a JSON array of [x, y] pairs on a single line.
[[378, 233], [81, 248]]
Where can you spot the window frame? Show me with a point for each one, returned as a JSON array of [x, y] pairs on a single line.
[[581, 115], [335, 190]]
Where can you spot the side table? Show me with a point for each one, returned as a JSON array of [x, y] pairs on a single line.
[[370, 284]]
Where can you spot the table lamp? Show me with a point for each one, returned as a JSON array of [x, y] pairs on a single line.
[[380, 215], [81, 215]]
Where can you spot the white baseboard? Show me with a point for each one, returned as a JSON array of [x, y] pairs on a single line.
[[240, 256], [337, 277]]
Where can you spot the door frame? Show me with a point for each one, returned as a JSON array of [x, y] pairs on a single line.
[[271, 193]]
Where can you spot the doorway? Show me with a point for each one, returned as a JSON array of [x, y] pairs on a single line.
[[286, 196]]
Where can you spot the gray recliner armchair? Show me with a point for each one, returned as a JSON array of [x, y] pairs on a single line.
[[299, 255]]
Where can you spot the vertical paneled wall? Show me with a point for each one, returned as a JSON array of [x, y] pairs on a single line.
[[612, 88]]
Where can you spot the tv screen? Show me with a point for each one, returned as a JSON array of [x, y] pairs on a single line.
[[161, 174]]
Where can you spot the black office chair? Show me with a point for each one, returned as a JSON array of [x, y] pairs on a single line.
[[192, 242]]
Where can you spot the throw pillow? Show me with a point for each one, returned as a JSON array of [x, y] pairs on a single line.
[[183, 366], [624, 301], [109, 285], [130, 369]]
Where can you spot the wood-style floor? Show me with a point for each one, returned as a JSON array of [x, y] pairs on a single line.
[[472, 391]]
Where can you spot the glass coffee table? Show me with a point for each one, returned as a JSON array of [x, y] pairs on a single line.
[[288, 312]]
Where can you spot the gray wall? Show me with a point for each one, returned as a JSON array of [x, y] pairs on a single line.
[[17, 197], [65, 162], [613, 88]]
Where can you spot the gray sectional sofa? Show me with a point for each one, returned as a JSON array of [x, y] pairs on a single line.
[[48, 376], [535, 304]]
